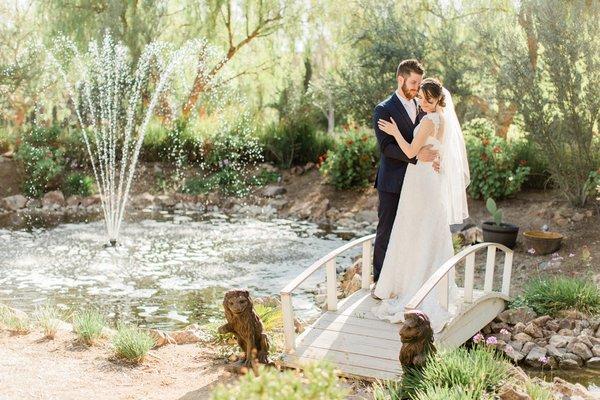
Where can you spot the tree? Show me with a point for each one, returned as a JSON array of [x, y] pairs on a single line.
[[551, 71]]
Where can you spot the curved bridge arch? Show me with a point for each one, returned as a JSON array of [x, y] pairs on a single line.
[[361, 345]]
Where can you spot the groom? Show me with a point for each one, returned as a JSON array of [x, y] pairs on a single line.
[[402, 107]]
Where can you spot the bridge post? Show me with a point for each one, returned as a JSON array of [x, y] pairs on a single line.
[[469, 272], [489, 269], [366, 265], [508, 260], [331, 285], [289, 331]]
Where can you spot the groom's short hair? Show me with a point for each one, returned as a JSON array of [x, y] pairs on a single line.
[[407, 66]]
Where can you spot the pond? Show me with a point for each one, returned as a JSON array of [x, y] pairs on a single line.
[[168, 271]]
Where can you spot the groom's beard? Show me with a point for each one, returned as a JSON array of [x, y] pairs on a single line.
[[409, 94]]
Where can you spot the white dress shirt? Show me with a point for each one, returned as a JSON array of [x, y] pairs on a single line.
[[409, 106]]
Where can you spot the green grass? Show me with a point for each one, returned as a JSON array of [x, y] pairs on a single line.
[[453, 374], [47, 318], [12, 322], [88, 325], [132, 344], [549, 296], [537, 392], [318, 382]]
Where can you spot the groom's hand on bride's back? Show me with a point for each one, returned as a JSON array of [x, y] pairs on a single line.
[[428, 154]]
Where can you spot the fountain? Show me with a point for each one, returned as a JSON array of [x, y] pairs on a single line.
[[114, 104]]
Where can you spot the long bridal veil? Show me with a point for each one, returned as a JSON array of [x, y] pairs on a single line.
[[454, 166]]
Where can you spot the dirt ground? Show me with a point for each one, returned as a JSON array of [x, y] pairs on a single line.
[[62, 369]]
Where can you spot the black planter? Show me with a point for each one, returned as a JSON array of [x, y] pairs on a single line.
[[505, 234]]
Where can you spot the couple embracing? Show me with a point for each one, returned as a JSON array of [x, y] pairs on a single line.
[[421, 182]]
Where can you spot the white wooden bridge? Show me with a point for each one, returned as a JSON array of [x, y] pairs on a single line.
[[360, 344]]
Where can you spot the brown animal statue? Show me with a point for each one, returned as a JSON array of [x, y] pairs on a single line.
[[245, 324], [416, 336]]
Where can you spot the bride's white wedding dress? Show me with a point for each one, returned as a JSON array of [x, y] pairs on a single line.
[[420, 242]]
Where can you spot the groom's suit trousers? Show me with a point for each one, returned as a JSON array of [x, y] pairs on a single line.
[[388, 205]]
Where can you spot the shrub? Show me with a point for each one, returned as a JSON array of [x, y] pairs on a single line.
[[41, 159], [132, 344], [233, 146], [294, 143], [7, 139], [265, 177], [88, 326], [13, 322], [450, 374], [351, 162], [77, 183], [548, 296], [48, 318], [530, 154], [319, 382], [492, 162]]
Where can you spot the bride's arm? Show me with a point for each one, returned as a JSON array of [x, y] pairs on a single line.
[[410, 149]]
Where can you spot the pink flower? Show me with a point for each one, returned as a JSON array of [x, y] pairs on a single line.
[[504, 331], [509, 349], [478, 338], [543, 360], [491, 340], [531, 251]]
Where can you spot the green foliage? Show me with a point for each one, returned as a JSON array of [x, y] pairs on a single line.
[[7, 139], [294, 143], [132, 344], [351, 162], [457, 243], [537, 392], [492, 162], [47, 317], [79, 184], [88, 325], [264, 177], [493, 209], [13, 322], [41, 159], [271, 317], [529, 153], [548, 296], [551, 72], [233, 146], [317, 382], [453, 374]]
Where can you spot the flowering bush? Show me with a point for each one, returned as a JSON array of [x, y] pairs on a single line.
[[492, 162], [352, 160]]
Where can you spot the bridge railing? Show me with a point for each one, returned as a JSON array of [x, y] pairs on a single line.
[[446, 272], [329, 262]]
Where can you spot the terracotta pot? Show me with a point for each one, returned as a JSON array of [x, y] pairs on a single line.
[[542, 242]]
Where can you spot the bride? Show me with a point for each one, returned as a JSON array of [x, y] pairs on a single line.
[[421, 241]]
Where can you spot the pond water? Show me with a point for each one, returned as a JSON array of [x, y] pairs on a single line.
[[167, 272]]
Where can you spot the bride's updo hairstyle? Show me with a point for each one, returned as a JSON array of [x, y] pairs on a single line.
[[432, 88]]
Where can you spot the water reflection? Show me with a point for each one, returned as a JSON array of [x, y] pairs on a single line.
[[167, 271]]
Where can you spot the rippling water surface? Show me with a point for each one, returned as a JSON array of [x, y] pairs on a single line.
[[164, 273]]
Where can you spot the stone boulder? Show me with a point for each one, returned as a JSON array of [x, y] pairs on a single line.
[[273, 191], [54, 198], [367, 216], [535, 356], [593, 362], [14, 203], [516, 315]]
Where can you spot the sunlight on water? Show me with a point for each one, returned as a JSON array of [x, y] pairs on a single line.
[[164, 273]]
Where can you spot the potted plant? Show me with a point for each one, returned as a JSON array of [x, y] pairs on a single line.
[[497, 231]]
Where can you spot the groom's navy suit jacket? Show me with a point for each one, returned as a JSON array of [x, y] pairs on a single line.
[[393, 162]]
